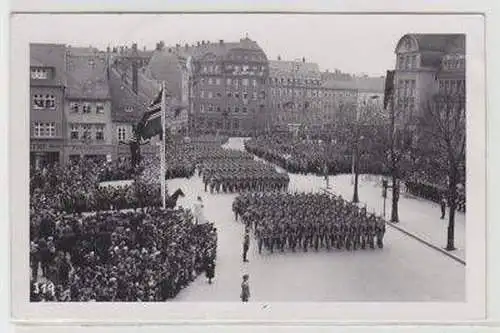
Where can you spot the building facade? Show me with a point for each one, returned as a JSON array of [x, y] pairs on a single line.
[[88, 127], [223, 84], [300, 94], [427, 65], [47, 90]]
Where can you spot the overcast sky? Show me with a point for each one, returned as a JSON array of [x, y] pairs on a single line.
[[351, 43]]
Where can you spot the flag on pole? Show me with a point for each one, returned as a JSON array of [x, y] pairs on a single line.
[[162, 117]]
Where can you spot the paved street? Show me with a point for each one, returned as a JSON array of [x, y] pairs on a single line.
[[405, 270]]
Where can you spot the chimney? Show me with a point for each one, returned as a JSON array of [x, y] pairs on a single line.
[[186, 46], [169, 50], [202, 42], [134, 46], [197, 43], [303, 59], [157, 47], [108, 49], [279, 58], [221, 41], [144, 48]]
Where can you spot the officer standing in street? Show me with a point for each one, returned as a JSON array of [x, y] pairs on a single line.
[[443, 207], [245, 289]]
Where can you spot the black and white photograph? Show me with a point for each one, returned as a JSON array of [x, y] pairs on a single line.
[[250, 158]]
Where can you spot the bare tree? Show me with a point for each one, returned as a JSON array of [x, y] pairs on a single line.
[[443, 124]]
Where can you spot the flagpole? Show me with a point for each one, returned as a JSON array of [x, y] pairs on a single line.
[[162, 146]]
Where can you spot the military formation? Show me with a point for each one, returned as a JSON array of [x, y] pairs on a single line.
[[241, 175], [304, 221]]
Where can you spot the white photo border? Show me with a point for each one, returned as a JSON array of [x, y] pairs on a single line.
[[226, 313]]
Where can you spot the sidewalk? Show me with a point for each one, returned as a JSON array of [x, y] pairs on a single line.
[[419, 217]]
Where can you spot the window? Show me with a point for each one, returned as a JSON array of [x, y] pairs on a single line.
[[236, 109], [99, 132], [245, 95], [228, 81], [219, 95], [203, 80], [218, 109], [202, 108], [244, 82], [413, 61], [122, 133], [245, 110], [74, 131], [217, 81], [210, 81], [407, 62], [99, 108], [210, 107], [237, 95], [49, 102], [202, 93], [87, 108], [40, 73], [254, 95], [74, 107], [236, 124], [210, 95], [236, 82], [86, 132], [38, 102], [50, 129], [38, 129]]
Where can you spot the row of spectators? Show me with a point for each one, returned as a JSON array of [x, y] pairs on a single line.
[[125, 256]]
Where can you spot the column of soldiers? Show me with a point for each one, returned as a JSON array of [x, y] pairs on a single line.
[[240, 175], [308, 221]]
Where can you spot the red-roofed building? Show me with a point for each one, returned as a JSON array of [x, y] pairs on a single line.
[[47, 84]]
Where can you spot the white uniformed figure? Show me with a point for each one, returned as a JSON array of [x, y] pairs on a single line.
[[198, 211]]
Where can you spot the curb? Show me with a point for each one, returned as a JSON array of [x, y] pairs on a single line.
[[421, 240]]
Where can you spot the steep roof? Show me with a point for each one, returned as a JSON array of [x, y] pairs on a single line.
[[123, 98], [49, 55], [220, 49], [166, 66], [339, 84], [86, 76], [370, 84], [279, 68], [440, 42]]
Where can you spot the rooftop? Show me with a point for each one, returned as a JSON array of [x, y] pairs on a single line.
[[86, 76], [49, 55]]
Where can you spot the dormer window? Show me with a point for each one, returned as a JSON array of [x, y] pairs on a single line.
[[38, 73]]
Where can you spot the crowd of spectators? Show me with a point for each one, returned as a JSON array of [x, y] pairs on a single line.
[[118, 256], [93, 243]]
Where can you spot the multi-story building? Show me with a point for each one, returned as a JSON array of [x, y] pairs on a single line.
[[87, 106], [300, 94], [47, 82], [174, 69], [370, 90], [427, 65], [224, 83]]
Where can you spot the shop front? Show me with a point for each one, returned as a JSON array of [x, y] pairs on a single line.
[[97, 153], [44, 153]]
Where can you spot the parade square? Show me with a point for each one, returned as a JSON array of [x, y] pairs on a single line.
[[247, 167]]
